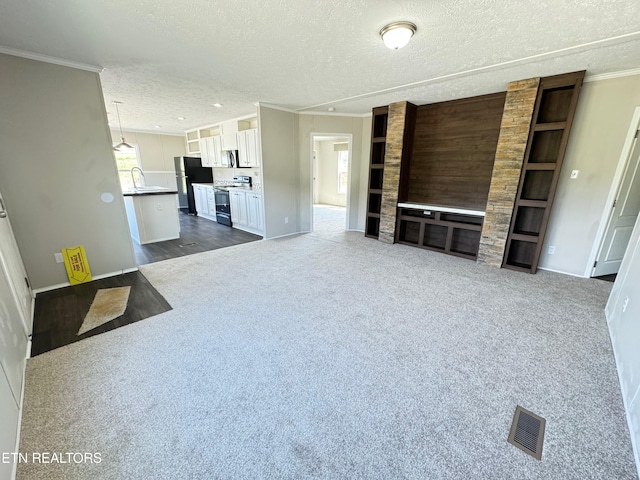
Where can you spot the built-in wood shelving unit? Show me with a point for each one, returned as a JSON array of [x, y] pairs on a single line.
[[376, 170], [452, 233], [552, 118]]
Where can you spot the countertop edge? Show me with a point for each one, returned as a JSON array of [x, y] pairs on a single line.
[[143, 194]]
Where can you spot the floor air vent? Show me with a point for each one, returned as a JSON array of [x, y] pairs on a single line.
[[527, 432], [187, 244]]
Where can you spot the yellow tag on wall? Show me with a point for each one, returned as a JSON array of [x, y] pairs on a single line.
[[75, 261]]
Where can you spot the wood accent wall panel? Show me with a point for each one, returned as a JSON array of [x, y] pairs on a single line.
[[400, 125], [454, 150], [512, 144]]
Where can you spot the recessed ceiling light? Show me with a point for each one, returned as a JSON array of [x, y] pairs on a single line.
[[396, 35], [331, 109], [156, 126], [181, 118], [218, 105]]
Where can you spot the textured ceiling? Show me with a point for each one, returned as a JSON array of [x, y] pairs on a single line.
[[164, 59]]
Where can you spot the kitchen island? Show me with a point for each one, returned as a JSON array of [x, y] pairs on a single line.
[[152, 213]]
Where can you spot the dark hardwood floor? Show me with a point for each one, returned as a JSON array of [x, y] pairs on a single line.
[[608, 278], [59, 313], [196, 235]]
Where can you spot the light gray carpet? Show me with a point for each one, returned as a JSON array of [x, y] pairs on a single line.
[[329, 219], [307, 357]]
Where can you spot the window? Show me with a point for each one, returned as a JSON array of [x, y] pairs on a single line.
[[125, 161], [343, 168]]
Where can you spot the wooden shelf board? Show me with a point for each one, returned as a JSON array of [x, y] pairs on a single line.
[[377, 166], [378, 139], [376, 190], [543, 127], [531, 203], [541, 166], [518, 268], [523, 237], [373, 215]]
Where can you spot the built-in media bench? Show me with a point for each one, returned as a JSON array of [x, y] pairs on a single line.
[[445, 229]]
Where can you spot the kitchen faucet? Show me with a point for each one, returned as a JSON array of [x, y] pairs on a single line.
[[133, 178]]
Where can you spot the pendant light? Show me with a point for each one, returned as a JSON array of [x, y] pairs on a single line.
[[396, 35], [122, 145]]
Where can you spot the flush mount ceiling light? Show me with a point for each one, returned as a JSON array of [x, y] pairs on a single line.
[[122, 145], [397, 34], [217, 105]]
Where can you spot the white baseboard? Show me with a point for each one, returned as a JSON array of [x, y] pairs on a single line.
[[97, 277], [284, 236], [560, 271]]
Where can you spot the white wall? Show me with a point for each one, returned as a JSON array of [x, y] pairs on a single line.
[[602, 119], [280, 171], [56, 160], [331, 125], [623, 316], [327, 178]]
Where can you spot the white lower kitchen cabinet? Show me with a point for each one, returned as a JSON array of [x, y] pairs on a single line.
[[238, 201], [246, 210], [254, 211], [204, 198]]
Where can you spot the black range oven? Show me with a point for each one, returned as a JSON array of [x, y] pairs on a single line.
[[223, 208]]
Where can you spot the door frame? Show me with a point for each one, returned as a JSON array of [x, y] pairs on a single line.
[[26, 317], [349, 137], [625, 154]]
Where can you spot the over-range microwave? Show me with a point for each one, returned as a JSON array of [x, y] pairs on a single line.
[[231, 159]]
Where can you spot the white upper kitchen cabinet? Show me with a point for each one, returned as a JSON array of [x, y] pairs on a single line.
[[248, 148], [215, 151], [204, 152]]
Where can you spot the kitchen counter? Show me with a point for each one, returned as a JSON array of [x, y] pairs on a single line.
[[149, 191], [152, 213]]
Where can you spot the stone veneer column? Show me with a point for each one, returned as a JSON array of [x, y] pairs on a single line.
[[391, 176], [512, 143]]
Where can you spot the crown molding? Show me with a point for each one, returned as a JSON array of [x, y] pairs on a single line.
[[334, 114], [609, 76], [47, 59]]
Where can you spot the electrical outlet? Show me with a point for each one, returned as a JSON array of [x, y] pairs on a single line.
[[624, 305], [551, 250], [58, 257], [286, 219], [574, 174]]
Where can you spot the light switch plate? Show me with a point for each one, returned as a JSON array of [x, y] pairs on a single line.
[[58, 257], [574, 174]]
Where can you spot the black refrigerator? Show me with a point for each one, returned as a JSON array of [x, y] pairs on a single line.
[[189, 170]]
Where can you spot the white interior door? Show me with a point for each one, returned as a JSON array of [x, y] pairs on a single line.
[[13, 339], [11, 263], [623, 217]]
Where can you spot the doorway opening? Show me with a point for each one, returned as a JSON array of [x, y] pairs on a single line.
[[330, 176], [624, 199]]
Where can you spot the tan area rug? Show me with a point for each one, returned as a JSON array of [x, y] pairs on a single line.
[[108, 304]]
